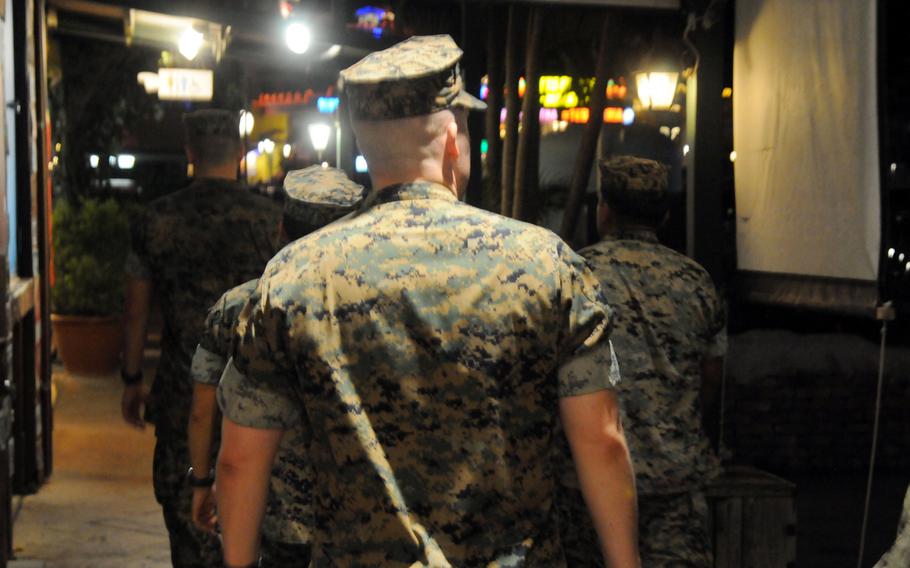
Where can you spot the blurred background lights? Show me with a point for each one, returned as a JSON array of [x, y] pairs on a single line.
[[360, 164]]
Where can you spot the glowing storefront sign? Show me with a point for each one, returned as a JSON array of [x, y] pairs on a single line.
[[185, 84]]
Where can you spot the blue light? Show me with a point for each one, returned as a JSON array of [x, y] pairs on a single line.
[[360, 164], [484, 91], [628, 116], [327, 105], [367, 10], [377, 32]]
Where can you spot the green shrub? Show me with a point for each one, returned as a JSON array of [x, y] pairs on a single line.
[[91, 242]]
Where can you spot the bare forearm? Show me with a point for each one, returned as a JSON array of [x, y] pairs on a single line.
[[608, 483], [138, 299], [203, 418], [244, 467]]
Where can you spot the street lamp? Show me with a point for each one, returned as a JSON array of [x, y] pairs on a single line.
[[656, 89], [247, 121], [319, 136], [297, 36], [189, 43]]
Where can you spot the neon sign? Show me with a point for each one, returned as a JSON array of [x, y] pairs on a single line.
[[563, 91], [327, 105], [612, 115]]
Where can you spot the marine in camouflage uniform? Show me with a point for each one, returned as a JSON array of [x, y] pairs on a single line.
[[899, 555], [314, 197], [193, 245], [427, 344], [667, 321]]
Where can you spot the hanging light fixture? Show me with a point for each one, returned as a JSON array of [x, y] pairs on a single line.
[[656, 89], [190, 43]]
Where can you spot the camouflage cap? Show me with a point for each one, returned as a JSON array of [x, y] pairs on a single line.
[[316, 196], [415, 77], [201, 124], [634, 186]]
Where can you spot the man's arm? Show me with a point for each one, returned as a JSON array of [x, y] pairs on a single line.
[[593, 427], [138, 300], [204, 414], [244, 467], [712, 373]]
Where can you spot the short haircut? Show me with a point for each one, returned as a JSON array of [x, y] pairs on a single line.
[[635, 189]]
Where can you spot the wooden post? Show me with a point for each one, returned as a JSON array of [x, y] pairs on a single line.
[[526, 163], [509, 144], [584, 159]]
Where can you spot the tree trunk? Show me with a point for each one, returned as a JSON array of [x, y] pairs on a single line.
[[493, 164], [585, 157], [509, 144], [526, 163]]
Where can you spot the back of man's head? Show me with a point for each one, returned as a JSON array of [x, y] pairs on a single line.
[[402, 145], [212, 137], [635, 189]]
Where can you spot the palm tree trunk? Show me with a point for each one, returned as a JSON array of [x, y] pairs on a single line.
[[585, 157], [526, 163], [509, 143], [493, 164]]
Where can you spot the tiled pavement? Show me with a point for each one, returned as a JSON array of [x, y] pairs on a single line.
[[97, 510]]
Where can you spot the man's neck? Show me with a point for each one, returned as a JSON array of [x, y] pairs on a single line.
[[380, 181], [226, 172]]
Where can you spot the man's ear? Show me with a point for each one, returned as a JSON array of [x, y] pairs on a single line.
[[452, 151]]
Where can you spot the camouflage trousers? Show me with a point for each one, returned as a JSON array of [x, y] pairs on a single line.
[[674, 531], [899, 555], [190, 547], [282, 554]]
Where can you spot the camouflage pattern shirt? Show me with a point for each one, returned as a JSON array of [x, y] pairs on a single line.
[[427, 344], [288, 514], [193, 245], [667, 319]]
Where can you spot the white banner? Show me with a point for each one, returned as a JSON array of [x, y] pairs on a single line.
[[806, 137]]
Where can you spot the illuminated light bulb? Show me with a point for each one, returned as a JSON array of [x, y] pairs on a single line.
[[94, 160], [891, 252], [126, 161], [685, 150], [733, 156], [360, 164], [190, 43], [297, 36], [286, 151]]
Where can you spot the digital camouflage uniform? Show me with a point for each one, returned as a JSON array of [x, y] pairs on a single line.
[[193, 245], [899, 555], [314, 197], [667, 320], [426, 343]]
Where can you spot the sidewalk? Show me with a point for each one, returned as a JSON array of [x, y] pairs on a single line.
[[98, 509]]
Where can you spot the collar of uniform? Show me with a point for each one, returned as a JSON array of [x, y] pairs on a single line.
[[635, 233], [411, 191], [216, 182]]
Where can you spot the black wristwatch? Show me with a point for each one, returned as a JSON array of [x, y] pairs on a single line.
[[130, 380], [194, 481]]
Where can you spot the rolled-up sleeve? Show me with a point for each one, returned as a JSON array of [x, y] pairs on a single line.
[[587, 360], [254, 405], [206, 367]]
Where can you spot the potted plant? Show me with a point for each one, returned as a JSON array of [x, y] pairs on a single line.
[[90, 245]]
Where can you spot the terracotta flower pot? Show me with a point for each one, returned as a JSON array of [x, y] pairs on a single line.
[[89, 345]]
